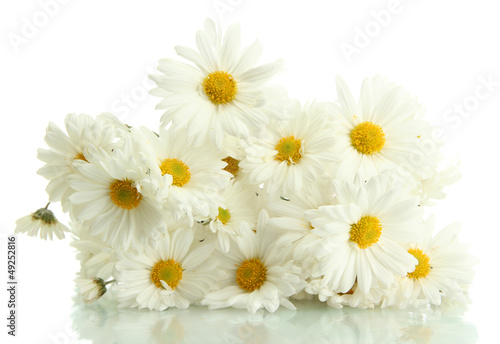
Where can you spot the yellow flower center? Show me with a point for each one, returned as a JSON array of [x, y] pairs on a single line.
[[224, 215], [80, 156], [124, 194], [177, 169], [367, 138], [366, 231], [423, 267], [251, 275], [168, 271], [232, 165], [288, 150], [220, 87]]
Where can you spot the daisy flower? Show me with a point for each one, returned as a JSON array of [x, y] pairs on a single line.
[[258, 273], [67, 148], [353, 298], [362, 235], [238, 209], [381, 131], [115, 197], [42, 222], [288, 215], [223, 93], [288, 218], [293, 152], [197, 174], [168, 274], [91, 290], [432, 187], [444, 270], [97, 258], [233, 149]]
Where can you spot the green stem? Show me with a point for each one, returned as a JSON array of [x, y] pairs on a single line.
[[109, 282]]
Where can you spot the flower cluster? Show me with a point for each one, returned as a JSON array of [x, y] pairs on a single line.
[[244, 198]]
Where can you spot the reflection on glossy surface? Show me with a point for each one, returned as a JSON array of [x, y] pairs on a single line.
[[313, 322]]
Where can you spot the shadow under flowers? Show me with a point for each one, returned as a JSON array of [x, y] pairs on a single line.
[[313, 322]]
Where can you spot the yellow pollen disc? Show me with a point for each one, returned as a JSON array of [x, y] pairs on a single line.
[[423, 267], [367, 138], [177, 169], [288, 150], [224, 215], [251, 275], [232, 165], [168, 271], [220, 87], [366, 231], [80, 156], [124, 194]]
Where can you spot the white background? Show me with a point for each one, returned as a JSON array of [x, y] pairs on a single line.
[[91, 56]]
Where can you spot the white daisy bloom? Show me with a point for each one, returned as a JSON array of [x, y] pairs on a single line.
[[353, 298], [233, 149], [97, 258], [258, 273], [432, 187], [169, 274], [122, 130], [238, 209], [115, 197], [224, 93], [197, 173], [381, 131], [444, 270], [293, 152], [91, 290], [288, 216], [66, 148], [362, 235], [42, 222]]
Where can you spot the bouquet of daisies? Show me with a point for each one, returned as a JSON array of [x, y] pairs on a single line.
[[244, 198]]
